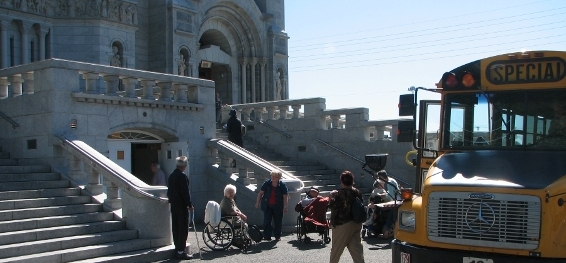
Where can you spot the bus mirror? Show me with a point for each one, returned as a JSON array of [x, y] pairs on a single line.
[[407, 105], [405, 131]]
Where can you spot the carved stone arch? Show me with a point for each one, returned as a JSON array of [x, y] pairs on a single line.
[[229, 33], [156, 130]]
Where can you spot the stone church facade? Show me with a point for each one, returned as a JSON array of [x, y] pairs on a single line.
[[239, 44]]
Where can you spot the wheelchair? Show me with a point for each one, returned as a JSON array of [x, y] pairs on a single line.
[[231, 230], [304, 228]]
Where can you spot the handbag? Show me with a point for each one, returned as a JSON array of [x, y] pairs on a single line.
[[359, 212], [254, 233]]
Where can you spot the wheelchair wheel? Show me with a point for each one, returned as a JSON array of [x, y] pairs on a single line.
[[218, 237], [247, 245], [299, 226]]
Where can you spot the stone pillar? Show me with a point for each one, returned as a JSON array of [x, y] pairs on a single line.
[[271, 113], [94, 187], [258, 112], [90, 82], [76, 171], [27, 86], [283, 112], [243, 175], [246, 115], [262, 64], [112, 201], [181, 92], [112, 82], [4, 88], [225, 164], [24, 31], [148, 89], [16, 85], [4, 44], [335, 121], [253, 63], [296, 112], [42, 32], [244, 62], [165, 90], [130, 86]]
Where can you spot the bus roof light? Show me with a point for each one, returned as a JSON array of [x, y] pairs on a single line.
[[525, 55], [449, 80], [468, 80], [538, 55]]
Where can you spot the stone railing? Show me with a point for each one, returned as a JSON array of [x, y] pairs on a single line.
[[246, 161], [143, 207], [118, 85]]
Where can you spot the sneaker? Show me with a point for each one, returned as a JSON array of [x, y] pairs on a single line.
[[183, 256]]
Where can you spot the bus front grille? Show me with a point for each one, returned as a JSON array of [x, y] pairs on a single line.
[[484, 219]]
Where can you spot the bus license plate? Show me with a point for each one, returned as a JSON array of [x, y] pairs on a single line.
[[476, 260]]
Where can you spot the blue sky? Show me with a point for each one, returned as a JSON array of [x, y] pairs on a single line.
[[365, 53]]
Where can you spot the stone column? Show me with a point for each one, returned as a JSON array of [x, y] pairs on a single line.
[[90, 82], [262, 64], [42, 32], [130, 86], [244, 62], [94, 187], [271, 113], [285, 90], [4, 88], [283, 112], [253, 63], [225, 163], [112, 82], [16, 85], [76, 169], [24, 30], [165, 90], [181, 92], [112, 201], [4, 44], [243, 175], [258, 112], [246, 115], [335, 121], [296, 112], [148, 89], [27, 86]]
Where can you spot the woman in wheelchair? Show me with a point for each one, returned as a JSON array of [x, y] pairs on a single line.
[[312, 216], [228, 206]]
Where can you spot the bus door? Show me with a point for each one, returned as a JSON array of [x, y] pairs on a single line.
[[427, 138]]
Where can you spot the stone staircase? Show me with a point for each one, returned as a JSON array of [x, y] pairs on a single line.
[[311, 173], [44, 219]]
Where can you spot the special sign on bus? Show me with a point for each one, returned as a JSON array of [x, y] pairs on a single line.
[[552, 69]]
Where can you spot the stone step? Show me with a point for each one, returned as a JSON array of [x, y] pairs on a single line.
[[22, 169], [17, 186], [60, 231], [5, 177], [316, 172], [84, 253], [44, 202], [144, 255], [54, 244], [8, 162], [52, 221], [16, 214], [27, 194], [297, 168], [294, 162]]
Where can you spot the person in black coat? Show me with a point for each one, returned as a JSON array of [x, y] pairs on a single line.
[[180, 200], [234, 129]]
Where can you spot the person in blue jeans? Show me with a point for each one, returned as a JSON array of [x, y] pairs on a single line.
[[273, 199]]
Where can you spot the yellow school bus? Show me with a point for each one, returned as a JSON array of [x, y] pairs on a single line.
[[490, 164]]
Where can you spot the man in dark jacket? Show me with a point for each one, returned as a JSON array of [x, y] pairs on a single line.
[[180, 199], [234, 128]]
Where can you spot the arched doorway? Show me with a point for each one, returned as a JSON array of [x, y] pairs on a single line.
[[134, 151]]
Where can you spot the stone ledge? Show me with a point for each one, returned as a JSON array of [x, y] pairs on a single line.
[[118, 100]]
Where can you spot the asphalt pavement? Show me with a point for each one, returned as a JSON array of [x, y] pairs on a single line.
[[289, 249]]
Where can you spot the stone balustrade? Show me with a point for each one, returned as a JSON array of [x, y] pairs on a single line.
[[92, 81]]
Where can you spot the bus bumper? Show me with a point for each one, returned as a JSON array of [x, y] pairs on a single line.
[[403, 252]]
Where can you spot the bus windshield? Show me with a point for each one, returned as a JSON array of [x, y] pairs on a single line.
[[519, 119]]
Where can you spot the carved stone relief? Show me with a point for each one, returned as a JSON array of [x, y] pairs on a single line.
[[114, 10]]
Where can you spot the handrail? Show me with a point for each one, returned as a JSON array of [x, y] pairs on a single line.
[[250, 159], [14, 124], [341, 151], [267, 125], [101, 164]]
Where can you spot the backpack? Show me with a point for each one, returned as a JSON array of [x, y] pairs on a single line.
[[359, 212], [254, 233]]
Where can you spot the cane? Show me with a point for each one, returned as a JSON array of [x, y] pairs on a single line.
[[192, 219]]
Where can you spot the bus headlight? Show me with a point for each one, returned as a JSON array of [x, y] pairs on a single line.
[[407, 220]]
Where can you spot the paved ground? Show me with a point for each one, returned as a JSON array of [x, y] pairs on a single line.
[[286, 250]]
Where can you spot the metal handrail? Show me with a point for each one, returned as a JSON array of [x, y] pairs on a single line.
[[341, 151], [100, 163], [14, 124], [267, 125]]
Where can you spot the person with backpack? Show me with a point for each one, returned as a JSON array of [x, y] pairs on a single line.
[[346, 232]]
